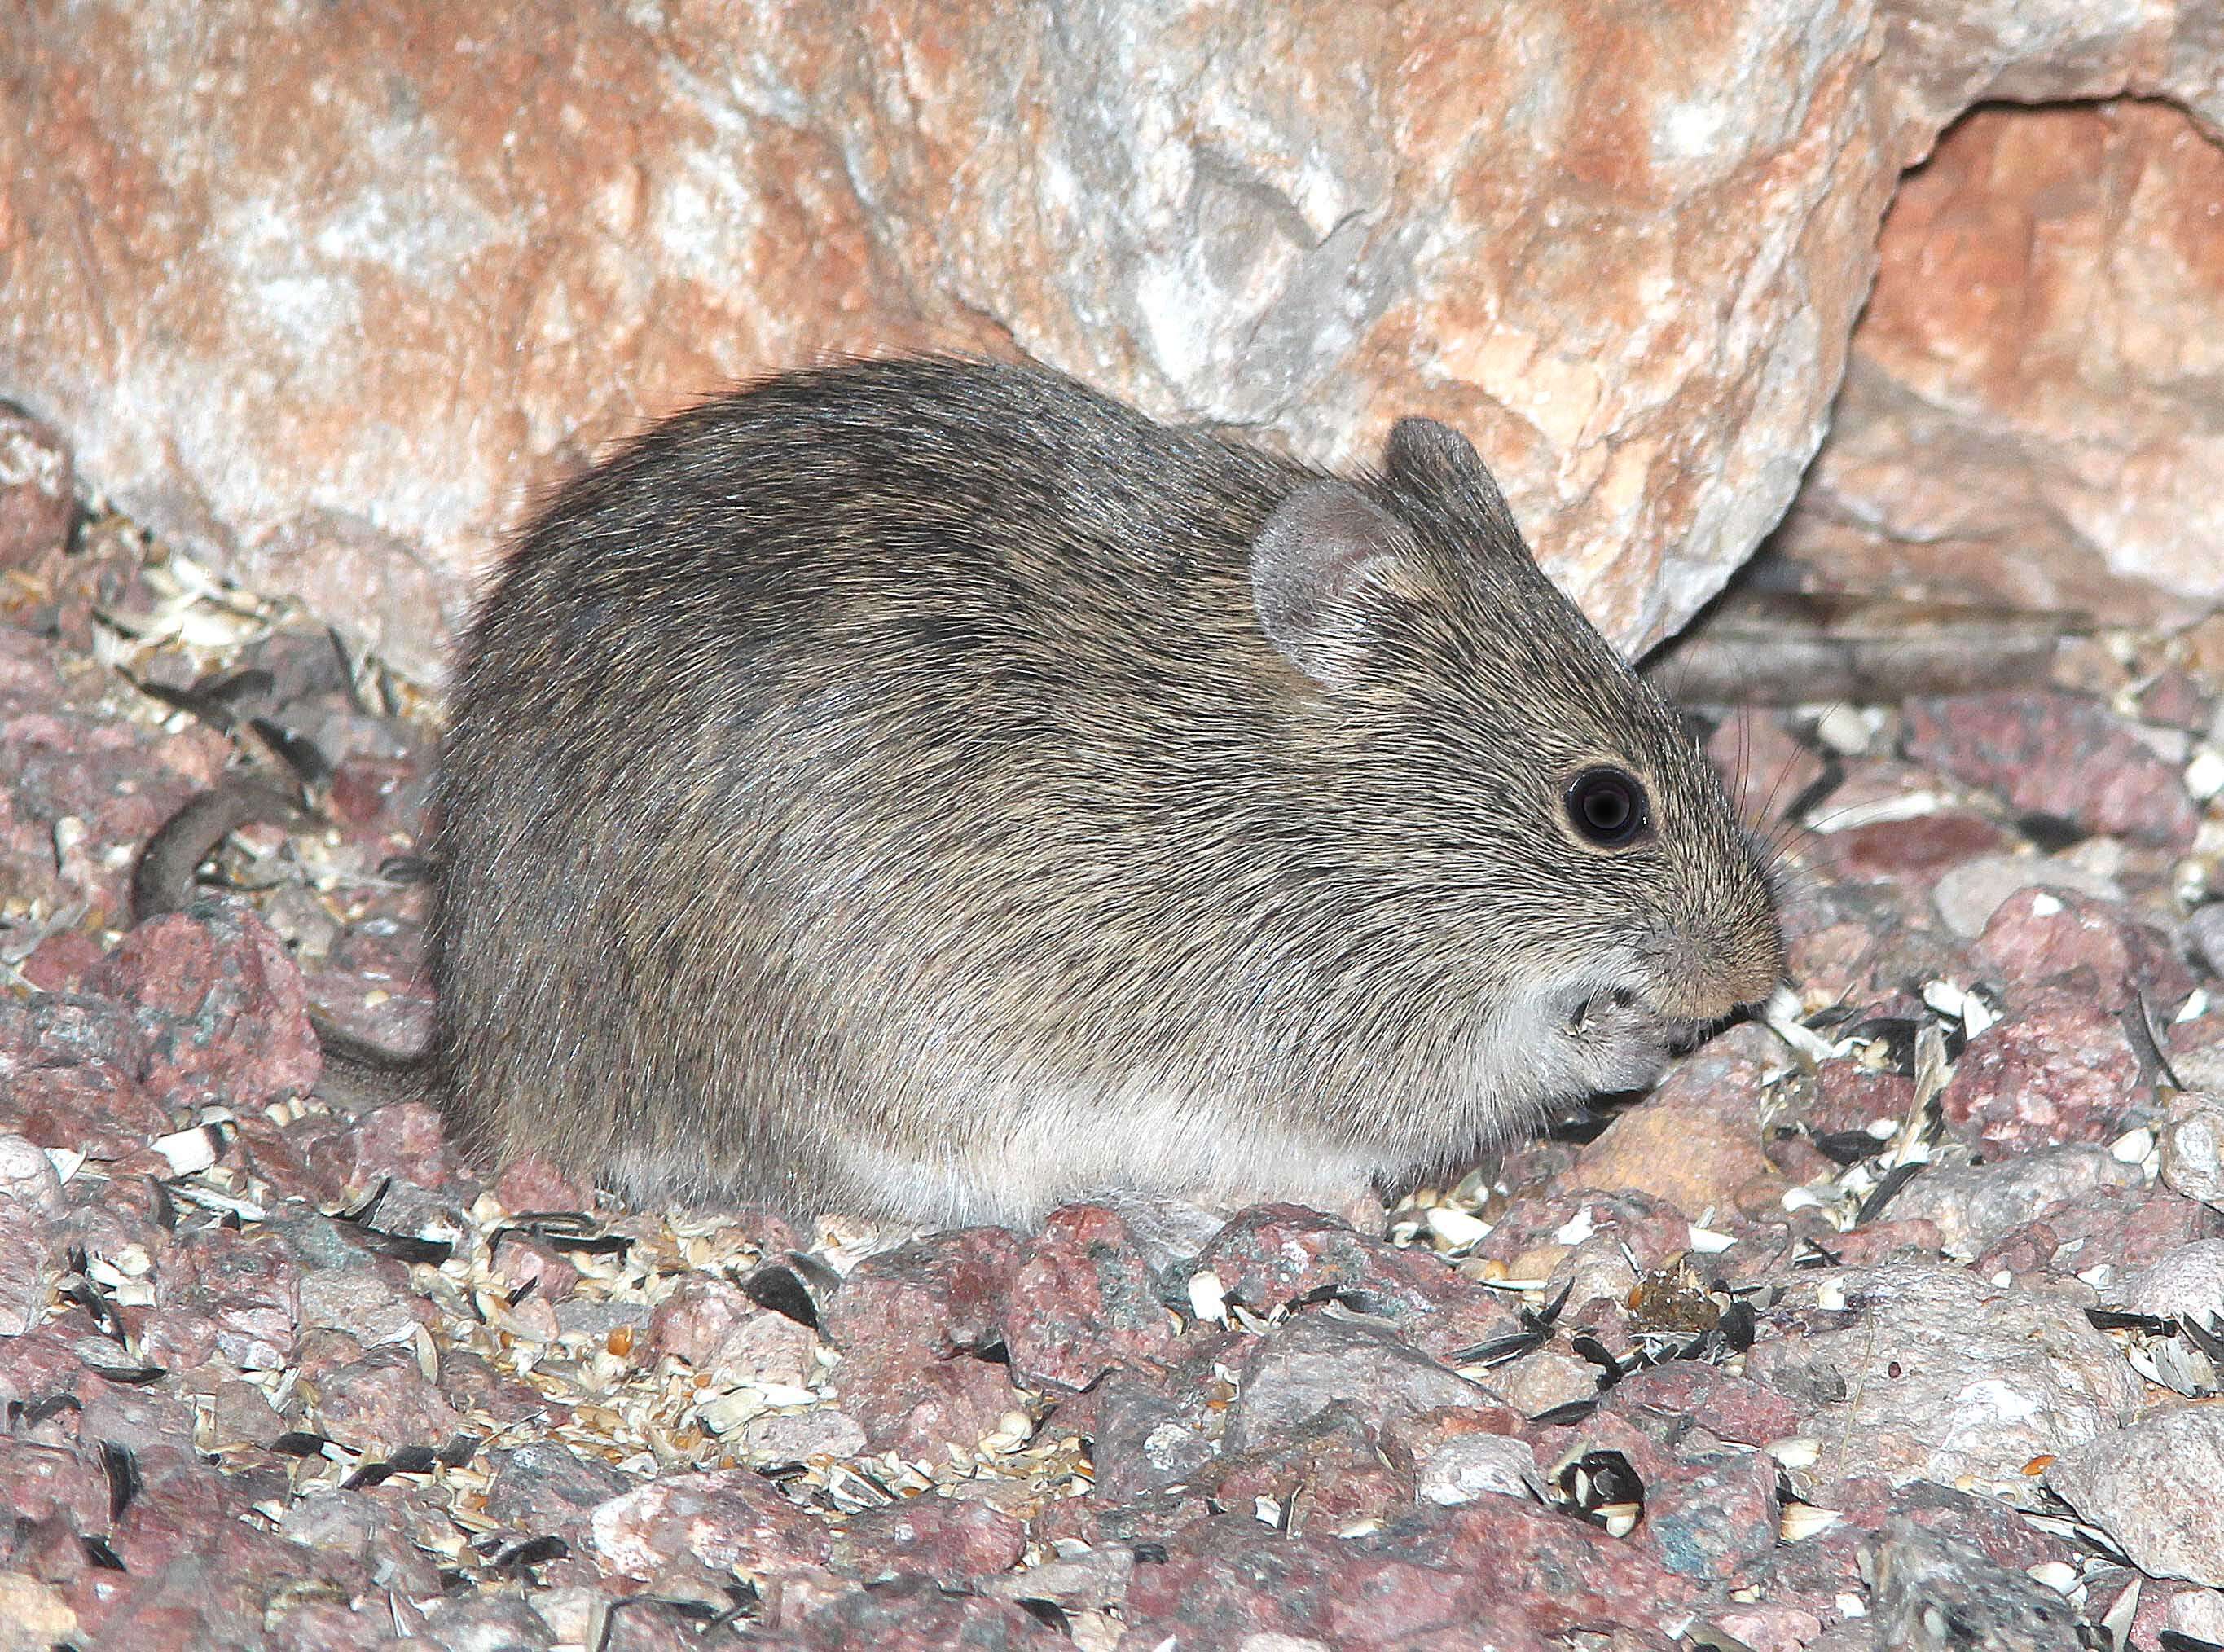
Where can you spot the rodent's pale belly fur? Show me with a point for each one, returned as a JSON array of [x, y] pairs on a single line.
[[1033, 1143], [1060, 1144], [1061, 1148]]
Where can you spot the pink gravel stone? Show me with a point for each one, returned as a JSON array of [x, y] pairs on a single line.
[[1083, 1299], [2055, 754]]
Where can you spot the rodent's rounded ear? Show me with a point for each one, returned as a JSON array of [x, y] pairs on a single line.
[[1427, 458], [1310, 566]]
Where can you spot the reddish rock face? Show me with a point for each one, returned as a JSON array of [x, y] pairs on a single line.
[[2059, 1070], [327, 300], [2030, 412], [36, 498], [2055, 754]]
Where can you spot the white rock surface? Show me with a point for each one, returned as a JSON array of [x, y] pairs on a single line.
[[324, 294], [1932, 1373], [2153, 1488]]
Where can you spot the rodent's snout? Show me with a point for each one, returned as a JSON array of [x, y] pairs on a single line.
[[1707, 983]]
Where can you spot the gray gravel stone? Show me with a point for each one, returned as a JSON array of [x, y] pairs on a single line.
[[2205, 929], [1312, 1361], [2199, 1613], [1144, 1442], [1545, 1379], [544, 1486], [1967, 895], [488, 1623], [1089, 1581], [1934, 1595], [2193, 1147], [362, 1303], [32, 1255], [2153, 1488], [1470, 1466], [795, 1436], [26, 1176], [1975, 1204], [1922, 1373], [2187, 1282]]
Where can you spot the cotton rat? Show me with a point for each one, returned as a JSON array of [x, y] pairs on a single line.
[[928, 789]]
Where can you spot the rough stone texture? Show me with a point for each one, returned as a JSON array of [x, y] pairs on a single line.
[[2153, 1488], [222, 1005], [2093, 946], [1468, 1466], [951, 1541], [1586, 1241], [1940, 846], [324, 299], [2111, 1235], [543, 1486], [383, 1401], [1931, 1372], [1695, 1143], [1495, 1570], [1973, 1204], [715, 1328], [910, 1323], [1934, 1595], [2185, 1283], [32, 1251], [2198, 1613], [1083, 1299], [789, 1437], [38, 499], [2030, 414], [1325, 1474], [944, 1293], [2193, 1147], [2055, 754], [726, 1518], [1272, 1255], [1669, 1399], [80, 776], [1712, 1515], [1969, 895], [33, 1616], [2058, 1069], [248, 1287], [1318, 1359], [913, 1611], [2205, 929]]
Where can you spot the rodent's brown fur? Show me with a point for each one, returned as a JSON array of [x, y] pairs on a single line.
[[927, 789]]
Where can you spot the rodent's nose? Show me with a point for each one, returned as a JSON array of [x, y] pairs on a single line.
[[1695, 982]]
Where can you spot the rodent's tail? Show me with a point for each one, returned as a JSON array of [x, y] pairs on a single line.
[[163, 880], [360, 1075], [357, 1073]]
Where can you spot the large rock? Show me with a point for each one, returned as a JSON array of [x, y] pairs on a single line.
[[323, 294], [2031, 413], [1931, 1373]]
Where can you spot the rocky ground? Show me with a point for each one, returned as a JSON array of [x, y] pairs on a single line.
[[1892, 1322]]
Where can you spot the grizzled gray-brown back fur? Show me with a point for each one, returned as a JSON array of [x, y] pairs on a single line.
[[925, 789]]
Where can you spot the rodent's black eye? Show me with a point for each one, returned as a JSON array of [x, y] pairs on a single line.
[[1606, 807]]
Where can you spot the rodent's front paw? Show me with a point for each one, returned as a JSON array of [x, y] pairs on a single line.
[[1624, 1044]]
